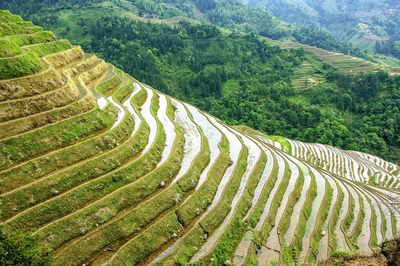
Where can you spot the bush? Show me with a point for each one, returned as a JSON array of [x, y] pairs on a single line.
[[391, 250], [340, 256], [21, 249]]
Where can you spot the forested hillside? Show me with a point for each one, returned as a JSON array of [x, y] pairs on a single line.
[[372, 25]]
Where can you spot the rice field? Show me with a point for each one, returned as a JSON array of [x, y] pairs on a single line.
[[342, 62], [106, 170], [307, 76]]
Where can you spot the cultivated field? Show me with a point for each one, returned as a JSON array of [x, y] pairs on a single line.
[[307, 76], [345, 63], [106, 170]]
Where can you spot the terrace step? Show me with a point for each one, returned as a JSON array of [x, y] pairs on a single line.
[[106, 170]]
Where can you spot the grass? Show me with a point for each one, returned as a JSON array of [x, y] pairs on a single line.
[[33, 38], [276, 202], [358, 226], [119, 226], [202, 198], [149, 241], [100, 177], [373, 181], [54, 136], [293, 198], [297, 243], [197, 204], [284, 142], [190, 179], [67, 94], [62, 158], [107, 87], [90, 194], [25, 84], [33, 122], [232, 236], [394, 223], [123, 92], [373, 227], [318, 227], [9, 48], [349, 216], [47, 48], [20, 65], [218, 214], [334, 219], [59, 159], [268, 186]]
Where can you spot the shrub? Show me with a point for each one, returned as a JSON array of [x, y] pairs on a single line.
[[391, 250], [21, 249]]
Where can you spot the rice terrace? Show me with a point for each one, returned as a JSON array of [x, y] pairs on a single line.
[[106, 170]]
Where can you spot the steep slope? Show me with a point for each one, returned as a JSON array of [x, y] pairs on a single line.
[[362, 22], [107, 170], [277, 91]]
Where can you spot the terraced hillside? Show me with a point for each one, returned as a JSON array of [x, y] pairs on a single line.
[[306, 76], [107, 170], [340, 61]]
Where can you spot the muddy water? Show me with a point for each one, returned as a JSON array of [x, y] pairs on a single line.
[[121, 112], [253, 157], [127, 104], [213, 136], [168, 126], [323, 249], [320, 180], [192, 138], [341, 240], [273, 240], [289, 235], [148, 116]]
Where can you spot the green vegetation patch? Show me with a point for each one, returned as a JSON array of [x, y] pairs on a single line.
[[47, 48], [312, 256], [55, 136], [108, 86], [9, 48], [19, 65]]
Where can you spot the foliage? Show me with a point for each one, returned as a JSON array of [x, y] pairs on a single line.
[[317, 37], [341, 256], [21, 249], [359, 22], [373, 181], [391, 250], [19, 65]]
